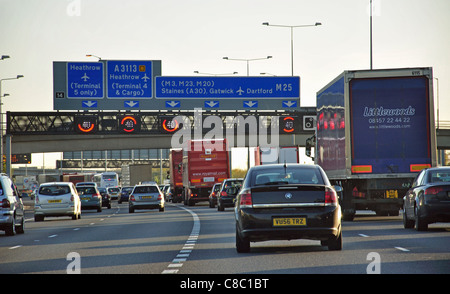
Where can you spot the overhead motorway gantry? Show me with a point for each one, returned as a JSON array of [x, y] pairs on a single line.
[[58, 131]]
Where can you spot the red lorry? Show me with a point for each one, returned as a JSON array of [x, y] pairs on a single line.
[[176, 174], [205, 162]]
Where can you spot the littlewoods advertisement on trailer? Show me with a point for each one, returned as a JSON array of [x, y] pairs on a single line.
[[388, 114]]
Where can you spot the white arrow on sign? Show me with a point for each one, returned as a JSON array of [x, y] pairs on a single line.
[[89, 103], [289, 103], [131, 103], [250, 104], [211, 104], [172, 103]]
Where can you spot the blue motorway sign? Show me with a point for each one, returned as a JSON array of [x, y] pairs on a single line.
[[85, 80], [227, 87], [129, 79]]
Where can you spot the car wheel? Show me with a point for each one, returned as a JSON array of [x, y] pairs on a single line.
[[130, 209], [220, 206], [335, 244], [99, 209], [420, 223], [11, 229], [242, 243], [21, 229], [161, 209], [407, 224]]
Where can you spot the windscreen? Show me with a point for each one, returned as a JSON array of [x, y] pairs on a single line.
[[54, 190], [280, 176], [146, 189]]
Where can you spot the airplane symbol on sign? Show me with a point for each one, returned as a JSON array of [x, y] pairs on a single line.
[[85, 77], [240, 91], [145, 78]]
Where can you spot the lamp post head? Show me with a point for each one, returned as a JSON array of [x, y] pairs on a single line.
[[318, 24], [19, 76], [265, 23], [4, 57]]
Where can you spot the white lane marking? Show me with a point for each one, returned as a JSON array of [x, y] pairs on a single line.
[[363, 235], [52, 236], [184, 253], [402, 249], [15, 247]]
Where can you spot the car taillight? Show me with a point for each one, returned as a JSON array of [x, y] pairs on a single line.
[[6, 203], [160, 197], [223, 193], [330, 197], [246, 199], [96, 195], [433, 190], [132, 197], [71, 198]]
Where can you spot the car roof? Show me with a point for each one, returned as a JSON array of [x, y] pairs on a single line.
[[56, 183], [288, 165]]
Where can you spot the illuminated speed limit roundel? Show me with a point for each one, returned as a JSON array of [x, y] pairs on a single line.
[[85, 124], [129, 123], [287, 124], [169, 124]]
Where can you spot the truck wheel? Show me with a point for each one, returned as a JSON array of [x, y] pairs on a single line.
[[348, 215]]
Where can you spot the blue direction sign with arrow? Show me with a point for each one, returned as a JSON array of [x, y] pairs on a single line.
[[85, 80], [227, 87], [129, 79]]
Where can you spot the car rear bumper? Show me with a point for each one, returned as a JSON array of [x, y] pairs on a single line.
[[90, 204], [435, 212], [322, 223], [146, 205], [55, 211]]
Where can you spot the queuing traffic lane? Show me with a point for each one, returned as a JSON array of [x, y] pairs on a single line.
[[112, 241], [150, 241], [371, 244]]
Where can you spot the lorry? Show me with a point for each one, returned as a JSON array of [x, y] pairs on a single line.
[[375, 132], [134, 174], [272, 155], [205, 163], [176, 174]]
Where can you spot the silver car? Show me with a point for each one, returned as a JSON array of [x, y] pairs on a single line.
[[146, 197], [57, 199], [12, 219]]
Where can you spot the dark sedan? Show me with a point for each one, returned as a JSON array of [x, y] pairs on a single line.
[[284, 202], [428, 199]]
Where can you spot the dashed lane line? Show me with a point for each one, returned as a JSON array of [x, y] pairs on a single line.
[[184, 253]]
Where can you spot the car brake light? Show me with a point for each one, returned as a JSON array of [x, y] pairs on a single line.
[[132, 198], [330, 197], [160, 197], [246, 199], [223, 193], [96, 195], [433, 190], [6, 203]]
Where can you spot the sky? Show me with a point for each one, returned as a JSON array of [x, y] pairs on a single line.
[[195, 35]]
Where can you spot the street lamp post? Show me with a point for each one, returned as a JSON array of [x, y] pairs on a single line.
[[247, 60], [292, 37], [1, 118]]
